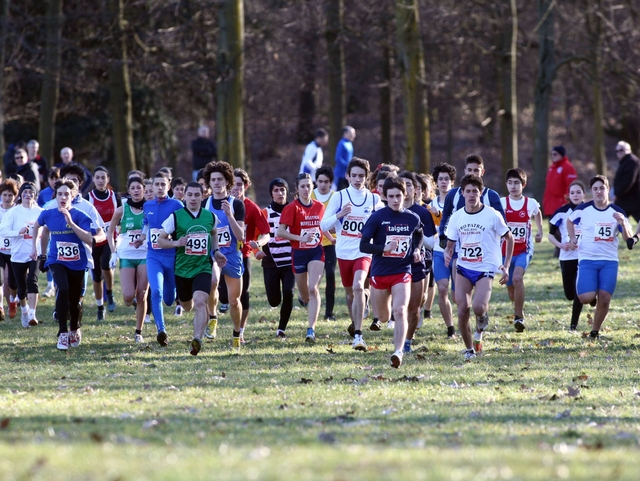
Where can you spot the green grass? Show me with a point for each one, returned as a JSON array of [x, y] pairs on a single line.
[[113, 410]]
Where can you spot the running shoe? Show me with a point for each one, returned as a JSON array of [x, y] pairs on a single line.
[[391, 324], [420, 321], [477, 347], [179, 310], [482, 322], [281, 335], [235, 346], [32, 318], [358, 343], [311, 336], [1, 314], [162, 339], [594, 334], [139, 339], [376, 325], [396, 359], [519, 324], [427, 314], [24, 318], [196, 345], [573, 327], [242, 341], [302, 303], [100, 314], [330, 318], [469, 355], [212, 328], [134, 303], [63, 341], [50, 292], [75, 338], [224, 308], [147, 319], [111, 303], [13, 309], [451, 332], [407, 346], [351, 330]]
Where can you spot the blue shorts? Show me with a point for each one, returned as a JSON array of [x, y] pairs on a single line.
[[596, 275], [473, 276], [300, 258], [521, 260], [234, 267], [440, 271]]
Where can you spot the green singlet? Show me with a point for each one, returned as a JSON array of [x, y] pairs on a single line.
[[194, 258]]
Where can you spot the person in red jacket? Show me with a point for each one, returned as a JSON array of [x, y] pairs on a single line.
[[559, 177]]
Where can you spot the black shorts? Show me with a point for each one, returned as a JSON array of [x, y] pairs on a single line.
[[101, 257], [186, 286]]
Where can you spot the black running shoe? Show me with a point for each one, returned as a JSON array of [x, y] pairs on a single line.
[[162, 339]]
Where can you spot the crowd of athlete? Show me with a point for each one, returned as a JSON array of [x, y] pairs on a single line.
[[396, 237]]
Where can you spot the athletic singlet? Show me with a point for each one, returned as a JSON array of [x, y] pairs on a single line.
[[228, 243], [315, 195], [106, 208], [131, 230], [519, 223], [278, 250]]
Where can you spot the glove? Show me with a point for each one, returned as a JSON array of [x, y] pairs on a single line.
[[113, 262], [631, 241], [41, 261], [443, 242]]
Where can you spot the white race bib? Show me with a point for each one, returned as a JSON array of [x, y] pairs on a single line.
[[155, 235], [197, 244], [224, 236], [604, 232], [519, 231], [352, 225], [133, 235], [68, 251], [5, 244], [401, 250], [471, 252], [29, 233], [315, 240]]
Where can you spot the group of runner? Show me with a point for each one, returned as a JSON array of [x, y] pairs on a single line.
[[392, 242]]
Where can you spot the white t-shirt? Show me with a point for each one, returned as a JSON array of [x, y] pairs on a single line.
[[349, 228], [478, 236], [311, 159], [598, 232], [5, 242], [436, 204], [12, 222]]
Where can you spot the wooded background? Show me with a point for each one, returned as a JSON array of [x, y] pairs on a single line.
[[126, 83]]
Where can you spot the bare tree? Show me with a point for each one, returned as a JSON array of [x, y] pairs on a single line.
[[508, 112], [334, 32], [4, 18]]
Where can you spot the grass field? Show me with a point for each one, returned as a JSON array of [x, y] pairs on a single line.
[[544, 404]]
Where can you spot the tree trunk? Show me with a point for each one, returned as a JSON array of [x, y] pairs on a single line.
[[120, 96], [334, 31], [542, 95], [51, 79], [386, 106], [4, 18], [594, 29], [230, 92], [411, 59], [508, 96], [308, 43]]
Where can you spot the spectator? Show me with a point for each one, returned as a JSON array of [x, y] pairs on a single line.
[[344, 154], [560, 175], [8, 158], [626, 184], [313, 155], [27, 169], [66, 155], [43, 165], [203, 151]]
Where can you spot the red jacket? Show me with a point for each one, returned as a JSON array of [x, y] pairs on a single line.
[[559, 177]]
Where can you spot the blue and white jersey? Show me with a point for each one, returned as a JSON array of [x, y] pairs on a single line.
[[598, 231], [558, 222], [155, 213], [228, 243], [65, 247]]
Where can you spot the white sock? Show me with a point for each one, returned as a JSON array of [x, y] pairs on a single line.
[[50, 285], [99, 302], [477, 336], [12, 298], [242, 330], [25, 308]]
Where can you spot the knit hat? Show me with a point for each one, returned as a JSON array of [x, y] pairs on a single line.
[[561, 150], [279, 181]]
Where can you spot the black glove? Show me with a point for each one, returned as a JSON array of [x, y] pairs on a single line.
[[41, 262], [631, 241], [443, 242]]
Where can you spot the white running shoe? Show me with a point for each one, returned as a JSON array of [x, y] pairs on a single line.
[[396, 359], [32, 318], [358, 343], [469, 355], [147, 319], [75, 338], [63, 341], [179, 310], [139, 339], [391, 324], [25, 318], [50, 292]]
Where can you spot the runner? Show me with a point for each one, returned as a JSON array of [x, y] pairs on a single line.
[[17, 225], [323, 193], [519, 212], [393, 235], [230, 214], [424, 195], [477, 229], [71, 234], [347, 212], [445, 176], [106, 201], [192, 229], [419, 270], [568, 250], [8, 193], [160, 262], [599, 222], [128, 220], [300, 224], [279, 280], [45, 196], [178, 186]]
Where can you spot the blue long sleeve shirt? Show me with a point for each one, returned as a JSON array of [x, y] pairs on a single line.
[[344, 154]]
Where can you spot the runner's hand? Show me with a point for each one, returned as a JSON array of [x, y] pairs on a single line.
[[505, 275], [113, 262]]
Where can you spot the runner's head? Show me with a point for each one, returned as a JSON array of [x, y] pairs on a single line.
[[135, 188], [73, 172], [304, 186], [474, 165], [410, 184], [471, 187], [178, 186], [279, 189], [444, 175], [148, 189], [193, 196], [8, 192], [516, 180], [394, 191], [65, 191], [27, 194], [324, 179], [357, 172], [101, 178], [241, 182], [600, 189], [161, 185], [219, 176], [427, 187], [54, 176], [576, 192]]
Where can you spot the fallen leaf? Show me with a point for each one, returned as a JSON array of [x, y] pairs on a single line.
[[305, 381], [573, 391], [330, 351], [283, 406], [4, 424], [96, 437]]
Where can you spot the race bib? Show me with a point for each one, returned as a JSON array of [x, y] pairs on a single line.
[[519, 231], [68, 251], [401, 250], [197, 244], [154, 236], [471, 252], [133, 235], [29, 233], [224, 236], [604, 232], [315, 240], [5, 244], [352, 225]]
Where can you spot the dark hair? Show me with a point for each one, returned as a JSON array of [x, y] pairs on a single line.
[[219, 166], [133, 180], [9, 185], [422, 180], [320, 133], [382, 176], [54, 173], [136, 173], [388, 168], [200, 175], [242, 174], [358, 162], [26, 186], [561, 150], [178, 181], [101, 169], [517, 174], [302, 176], [194, 185], [326, 171], [278, 181], [65, 183], [444, 168], [74, 169], [474, 180], [166, 170], [579, 183], [599, 178], [473, 159], [393, 183], [161, 175], [405, 174]]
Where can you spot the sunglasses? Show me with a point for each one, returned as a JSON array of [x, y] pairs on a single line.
[[619, 150]]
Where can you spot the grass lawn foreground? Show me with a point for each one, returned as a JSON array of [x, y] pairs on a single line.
[[544, 404]]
